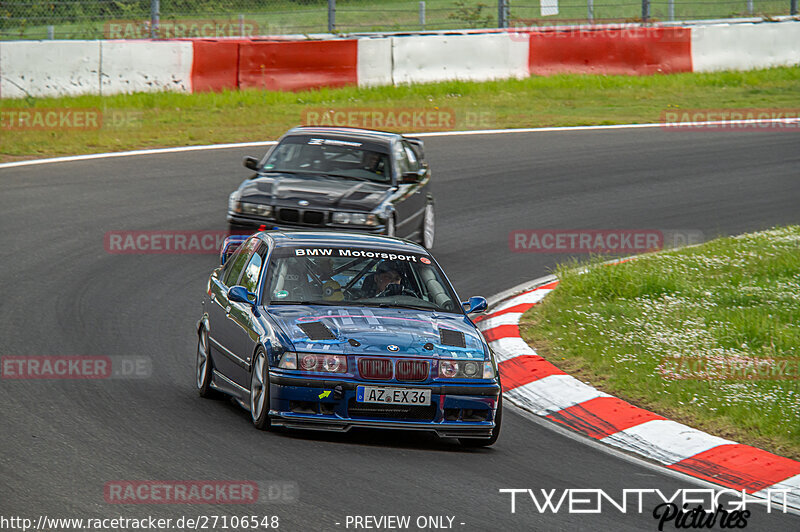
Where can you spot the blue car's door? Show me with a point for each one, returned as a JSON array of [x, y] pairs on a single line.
[[243, 328], [231, 364]]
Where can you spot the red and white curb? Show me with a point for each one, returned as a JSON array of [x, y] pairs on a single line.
[[534, 384]]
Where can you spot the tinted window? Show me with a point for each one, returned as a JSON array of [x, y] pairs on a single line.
[[250, 276], [413, 161], [332, 157], [403, 165], [357, 277], [237, 262]]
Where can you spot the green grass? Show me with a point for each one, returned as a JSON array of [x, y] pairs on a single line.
[[638, 330], [70, 21], [171, 119]]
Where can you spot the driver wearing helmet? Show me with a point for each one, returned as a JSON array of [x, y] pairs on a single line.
[[373, 161], [389, 281]]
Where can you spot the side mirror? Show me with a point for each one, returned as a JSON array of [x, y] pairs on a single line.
[[413, 177], [475, 304], [239, 294], [250, 163]]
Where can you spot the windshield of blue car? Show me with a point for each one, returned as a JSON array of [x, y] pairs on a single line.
[[330, 157], [357, 277]]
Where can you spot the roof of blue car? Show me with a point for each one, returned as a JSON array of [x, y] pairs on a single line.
[[329, 238]]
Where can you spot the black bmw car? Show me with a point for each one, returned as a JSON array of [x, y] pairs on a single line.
[[338, 178]]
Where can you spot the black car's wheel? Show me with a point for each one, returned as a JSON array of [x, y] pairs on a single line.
[[259, 392], [479, 442], [428, 227], [203, 366]]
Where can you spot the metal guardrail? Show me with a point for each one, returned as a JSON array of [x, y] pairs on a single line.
[[142, 19]]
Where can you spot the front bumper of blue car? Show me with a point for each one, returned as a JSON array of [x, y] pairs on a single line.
[[456, 410]]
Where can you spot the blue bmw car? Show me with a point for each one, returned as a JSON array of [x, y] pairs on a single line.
[[330, 331]]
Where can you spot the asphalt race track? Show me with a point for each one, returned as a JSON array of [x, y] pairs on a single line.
[[63, 294]]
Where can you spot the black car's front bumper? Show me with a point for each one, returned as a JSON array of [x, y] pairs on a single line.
[[253, 222]]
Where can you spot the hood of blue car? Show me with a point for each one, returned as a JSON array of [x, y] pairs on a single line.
[[377, 331]]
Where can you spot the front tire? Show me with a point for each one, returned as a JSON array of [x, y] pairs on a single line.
[[498, 420], [259, 392]]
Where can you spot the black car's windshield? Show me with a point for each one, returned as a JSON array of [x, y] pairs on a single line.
[[331, 157], [357, 277]]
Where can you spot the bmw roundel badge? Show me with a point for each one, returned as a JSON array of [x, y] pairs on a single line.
[[392, 347], [303, 203]]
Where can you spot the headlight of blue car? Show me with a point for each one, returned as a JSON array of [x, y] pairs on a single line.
[[465, 369]]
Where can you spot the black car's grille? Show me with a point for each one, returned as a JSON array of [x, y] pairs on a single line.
[[314, 218], [299, 216], [289, 215], [406, 412]]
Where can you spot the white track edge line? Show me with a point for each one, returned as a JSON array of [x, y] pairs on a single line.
[[135, 153], [668, 126]]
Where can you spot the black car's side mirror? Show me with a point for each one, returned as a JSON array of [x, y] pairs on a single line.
[[413, 177], [239, 294], [250, 163], [475, 304]]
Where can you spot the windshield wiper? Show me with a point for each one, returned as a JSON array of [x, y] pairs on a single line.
[[353, 177], [283, 302], [274, 171], [403, 305]]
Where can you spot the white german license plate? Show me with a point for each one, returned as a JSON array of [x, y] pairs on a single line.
[[396, 396]]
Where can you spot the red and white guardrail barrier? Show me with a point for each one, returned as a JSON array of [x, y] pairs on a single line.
[[55, 68]]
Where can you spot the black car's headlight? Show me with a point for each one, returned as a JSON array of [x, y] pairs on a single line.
[[254, 208], [354, 218], [466, 369]]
